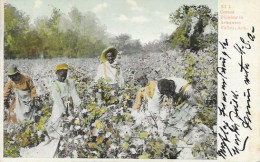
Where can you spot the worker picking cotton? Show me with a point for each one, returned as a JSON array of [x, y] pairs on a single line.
[[66, 101], [23, 92], [110, 70]]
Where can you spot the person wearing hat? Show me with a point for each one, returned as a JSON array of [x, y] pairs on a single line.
[[109, 70], [23, 93], [66, 103]]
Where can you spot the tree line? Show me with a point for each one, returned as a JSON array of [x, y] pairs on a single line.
[[77, 34]]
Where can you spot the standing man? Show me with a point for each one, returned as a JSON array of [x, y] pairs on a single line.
[[22, 89], [109, 70]]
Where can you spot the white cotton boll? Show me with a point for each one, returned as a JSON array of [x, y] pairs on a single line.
[[61, 143], [61, 148], [39, 133], [84, 111], [70, 140], [120, 98], [133, 151], [77, 127], [114, 113], [138, 141], [125, 129], [112, 93], [138, 122], [215, 129], [71, 128], [78, 136], [145, 124], [75, 153], [108, 134], [76, 142], [70, 118], [14, 138], [164, 138], [113, 146], [122, 155], [10, 130], [11, 142], [46, 138]]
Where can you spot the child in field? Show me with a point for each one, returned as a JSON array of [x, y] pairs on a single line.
[[109, 70], [24, 93], [65, 100]]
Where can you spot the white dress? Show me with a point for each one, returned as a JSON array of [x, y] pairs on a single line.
[[22, 105], [152, 114], [181, 83], [111, 73], [48, 149]]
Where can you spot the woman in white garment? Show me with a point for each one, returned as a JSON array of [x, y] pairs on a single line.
[[109, 70], [154, 94], [65, 100], [23, 93]]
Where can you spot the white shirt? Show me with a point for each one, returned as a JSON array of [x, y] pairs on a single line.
[[60, 90], [110, 73], [180, 83]]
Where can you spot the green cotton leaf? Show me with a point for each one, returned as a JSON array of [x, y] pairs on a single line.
[[157, 147], [127, 137], [98, 124], [127, 116], [92, 106], [101, 111], [27, 132], [112, 100], [144, 156], [125, 146], [40, 125], [143, 135], [180, 106], [174, 142]]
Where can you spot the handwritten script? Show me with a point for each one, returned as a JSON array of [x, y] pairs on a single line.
[[234, 107]]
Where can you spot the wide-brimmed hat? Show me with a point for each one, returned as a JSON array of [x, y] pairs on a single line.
[[12, 70], [107, 50], [60, 67]]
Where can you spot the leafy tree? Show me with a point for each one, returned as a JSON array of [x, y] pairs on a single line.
[[192, 22], [16, 27], [126, 44]]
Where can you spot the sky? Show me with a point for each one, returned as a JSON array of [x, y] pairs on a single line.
[[142, 19]]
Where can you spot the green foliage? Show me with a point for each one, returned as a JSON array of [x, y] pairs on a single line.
[[192, 22], [126, 44], [205, 149], [76, 35], [201, 73]]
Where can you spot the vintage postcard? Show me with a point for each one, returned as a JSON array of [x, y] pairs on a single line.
[[130, 80]]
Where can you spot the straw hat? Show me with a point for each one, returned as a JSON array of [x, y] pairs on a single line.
[[60, 67], [12, 70], [107, 50]]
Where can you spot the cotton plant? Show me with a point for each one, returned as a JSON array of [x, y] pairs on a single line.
[[106, 126]]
